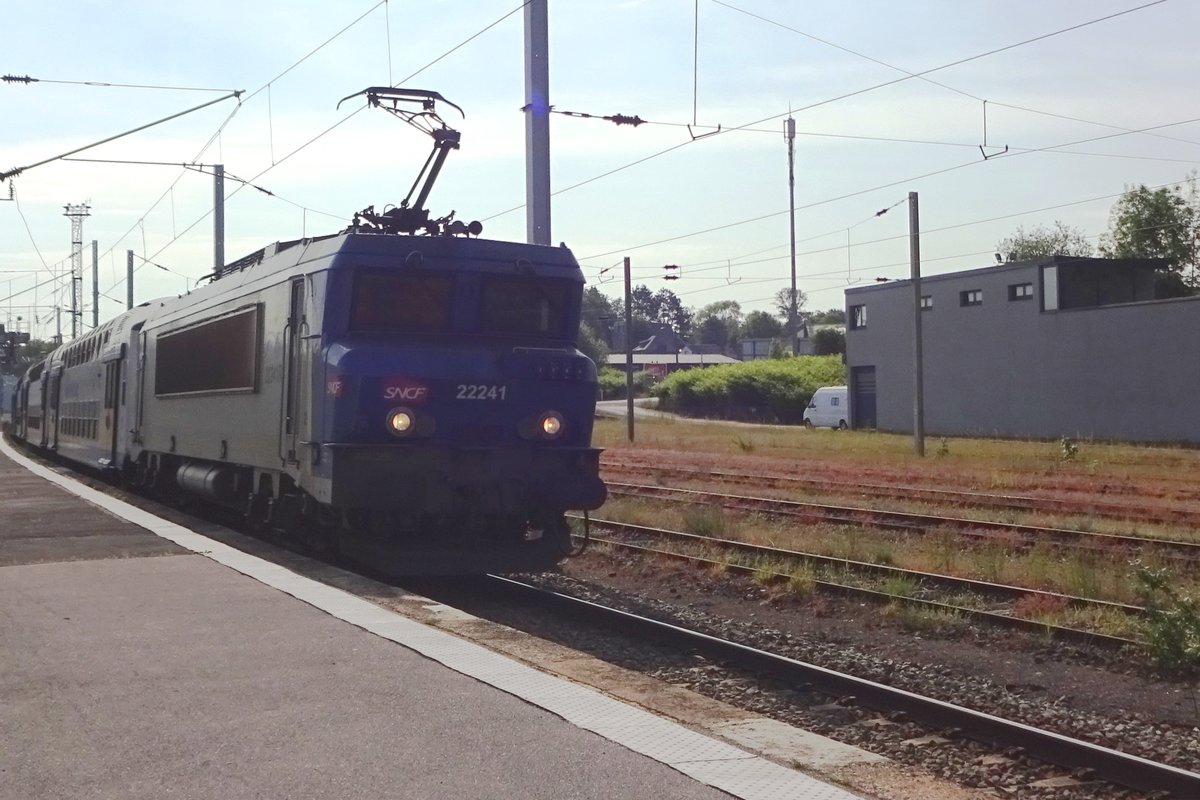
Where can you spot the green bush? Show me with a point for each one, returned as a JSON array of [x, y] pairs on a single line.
[[1171, 629], [767, 390], [612, 384]]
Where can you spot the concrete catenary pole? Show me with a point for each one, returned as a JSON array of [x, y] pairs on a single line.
[[128, 279], [789, 133], [218, 217], [629, 348], [914, 255], [537, 123], [95, 284]]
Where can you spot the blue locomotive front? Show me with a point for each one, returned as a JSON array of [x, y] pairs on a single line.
[[452, 412]]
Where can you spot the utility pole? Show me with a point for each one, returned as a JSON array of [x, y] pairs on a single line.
[[914, 256], [789, 133], [629, 348], [75, 213], [537, 123]]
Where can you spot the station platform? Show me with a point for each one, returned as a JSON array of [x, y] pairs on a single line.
[[139, 659]]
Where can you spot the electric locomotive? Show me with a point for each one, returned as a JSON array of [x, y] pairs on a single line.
[[414, 401]]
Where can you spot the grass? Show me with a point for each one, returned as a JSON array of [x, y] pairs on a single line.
[[1094, 575], [999, 463]]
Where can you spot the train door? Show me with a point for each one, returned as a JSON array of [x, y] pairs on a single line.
[[112, 395], [294, 346], [134, 401], [50, 414]]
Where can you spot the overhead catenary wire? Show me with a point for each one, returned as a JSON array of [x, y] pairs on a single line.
[[724, 263], [332, 127], [890, 184], [844, 96], [156, 222]]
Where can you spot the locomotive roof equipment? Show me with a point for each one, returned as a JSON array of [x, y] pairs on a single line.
[[407, 218]]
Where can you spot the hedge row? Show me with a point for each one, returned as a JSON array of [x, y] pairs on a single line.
[[612, 384], [767, 390]]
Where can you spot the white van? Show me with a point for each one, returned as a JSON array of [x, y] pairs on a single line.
[[828, 408]]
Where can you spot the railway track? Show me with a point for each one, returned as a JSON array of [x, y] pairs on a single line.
[[1114, 766], [1083, 506], [983, 530], [995, 618], [1125, 769]]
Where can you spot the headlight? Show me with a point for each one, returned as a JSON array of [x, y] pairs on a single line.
[[400, 422], [550, 425]]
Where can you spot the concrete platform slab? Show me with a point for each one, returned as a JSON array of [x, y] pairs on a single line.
[[201, 676]]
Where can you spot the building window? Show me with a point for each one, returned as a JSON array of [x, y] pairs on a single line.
[[926, 302], [971, 297], [1020, 291], [858, 317], [1050, 288]]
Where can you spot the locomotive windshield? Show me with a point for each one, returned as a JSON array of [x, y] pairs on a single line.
[[524, 306], [393, 302]]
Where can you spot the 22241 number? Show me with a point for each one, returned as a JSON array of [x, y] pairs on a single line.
[[480, 391]]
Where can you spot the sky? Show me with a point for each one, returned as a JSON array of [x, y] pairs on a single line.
[[1090, 97]]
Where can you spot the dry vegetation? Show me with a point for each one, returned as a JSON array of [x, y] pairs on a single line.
[[1148, 476]]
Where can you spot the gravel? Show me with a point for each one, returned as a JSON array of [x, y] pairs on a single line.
[[1052, 687]]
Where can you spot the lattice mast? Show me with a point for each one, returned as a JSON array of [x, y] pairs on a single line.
[[76, 213]]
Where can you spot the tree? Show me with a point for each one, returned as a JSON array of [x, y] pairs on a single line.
[[1164, 223], [663, 307], [783, 302], [828, 341], [832, 316], [26, 355], [718, 323], [601, 314], [672, 312], [1061, 240], [761, 325], [592, 345], [643, 302], [599, 309]]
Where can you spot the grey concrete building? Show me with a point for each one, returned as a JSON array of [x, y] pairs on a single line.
[[1052, 347]]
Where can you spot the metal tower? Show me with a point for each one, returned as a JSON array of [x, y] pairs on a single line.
[[76, 213]]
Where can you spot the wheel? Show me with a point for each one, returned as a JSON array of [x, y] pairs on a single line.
[[842, 425], [808, 424]]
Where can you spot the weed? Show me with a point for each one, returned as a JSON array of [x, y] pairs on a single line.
[[718, 570], [883, 553], [1081, 577], [1172, 626], [705, 521], [945, 550], [1041, 607], [993, 559], [846, 544], [1068, 450], [802, 580], [943, 448], [1040, 566], [745, 445], [900, 586], [765, 573], [930, 620]]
